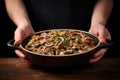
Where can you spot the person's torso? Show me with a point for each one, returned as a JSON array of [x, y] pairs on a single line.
[[61, 13]]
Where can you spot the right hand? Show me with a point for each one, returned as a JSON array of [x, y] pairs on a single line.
[[19, 34]]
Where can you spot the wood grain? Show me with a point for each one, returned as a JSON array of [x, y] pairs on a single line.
[[15, 69]]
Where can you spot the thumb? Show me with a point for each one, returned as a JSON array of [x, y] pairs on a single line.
[[102, 38], [18, 37]]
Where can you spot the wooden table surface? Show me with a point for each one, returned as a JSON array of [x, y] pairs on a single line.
[[15, 69]]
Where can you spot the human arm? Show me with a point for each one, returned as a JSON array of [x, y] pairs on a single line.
[[101, 13], [18, 14]]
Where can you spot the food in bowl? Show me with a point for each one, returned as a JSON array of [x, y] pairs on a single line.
[[60, 42]]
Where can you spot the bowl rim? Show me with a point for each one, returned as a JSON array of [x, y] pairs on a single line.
[[85, 52]]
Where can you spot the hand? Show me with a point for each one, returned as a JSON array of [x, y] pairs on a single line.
[[103, 34], [19, 35]]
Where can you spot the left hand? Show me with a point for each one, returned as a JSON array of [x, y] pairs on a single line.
[[103, 34]]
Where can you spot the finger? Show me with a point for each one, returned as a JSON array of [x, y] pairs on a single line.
[[99, 53], [18, 37], [20, 54], [102, 36], [96, 59], [108, 35]]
